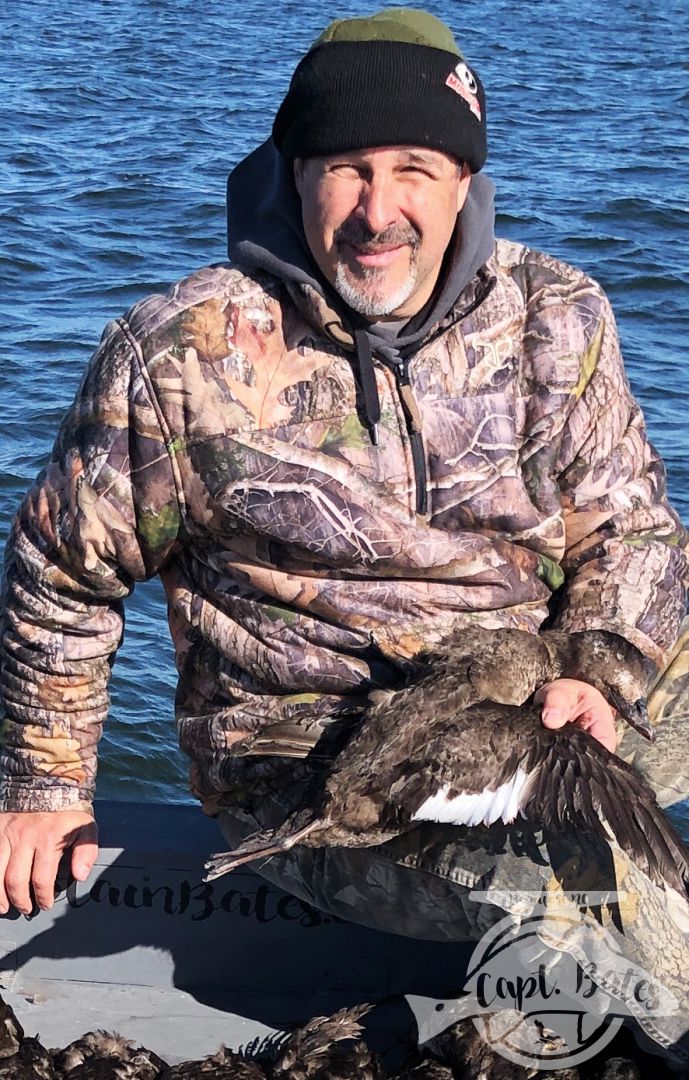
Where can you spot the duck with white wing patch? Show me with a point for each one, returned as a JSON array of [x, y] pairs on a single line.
[[462, 746]]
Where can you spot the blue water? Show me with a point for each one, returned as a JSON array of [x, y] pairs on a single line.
[[119, 120]]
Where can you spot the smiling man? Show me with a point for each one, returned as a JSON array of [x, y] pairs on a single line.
[[379, 222], [376, 424]]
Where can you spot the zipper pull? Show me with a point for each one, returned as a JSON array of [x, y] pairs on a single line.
[[410, 405], [414, 423]]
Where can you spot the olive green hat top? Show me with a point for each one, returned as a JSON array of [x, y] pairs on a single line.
[[395, 78], [393, 24]]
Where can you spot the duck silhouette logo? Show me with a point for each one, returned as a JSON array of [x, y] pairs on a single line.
[[463, 82], [552, 990]]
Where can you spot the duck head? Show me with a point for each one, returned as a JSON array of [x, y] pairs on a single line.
[[611, 664]]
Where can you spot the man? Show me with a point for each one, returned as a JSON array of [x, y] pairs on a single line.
[[376, 424]]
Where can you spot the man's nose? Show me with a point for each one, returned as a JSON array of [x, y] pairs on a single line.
[[378, 204]]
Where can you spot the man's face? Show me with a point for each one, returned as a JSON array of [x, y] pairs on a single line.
[[378, 223]]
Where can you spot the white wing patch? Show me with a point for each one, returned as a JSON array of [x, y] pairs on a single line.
[[476, 808]]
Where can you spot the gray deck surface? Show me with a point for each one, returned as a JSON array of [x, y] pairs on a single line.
[[145, 948]]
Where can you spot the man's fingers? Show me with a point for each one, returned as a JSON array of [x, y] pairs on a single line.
[[45, 864], [571, 701], [17, 878], [31, 847], [84, 851], [5, 851], [601, 726]]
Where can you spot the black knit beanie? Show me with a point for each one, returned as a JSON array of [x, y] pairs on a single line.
[[396, 78]]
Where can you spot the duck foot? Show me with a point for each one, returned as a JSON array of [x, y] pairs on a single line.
[[260, 847]]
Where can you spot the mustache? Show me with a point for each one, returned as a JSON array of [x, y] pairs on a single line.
[[357, 232]]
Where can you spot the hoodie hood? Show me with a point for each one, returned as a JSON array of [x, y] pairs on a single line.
[[264, 232]]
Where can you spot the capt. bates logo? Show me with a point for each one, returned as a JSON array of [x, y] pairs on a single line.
[[462, 81]]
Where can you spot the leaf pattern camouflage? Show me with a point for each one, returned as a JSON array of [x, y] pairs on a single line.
[[217, 440]]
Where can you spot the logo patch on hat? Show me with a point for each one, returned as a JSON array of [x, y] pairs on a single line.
[[463, 83]]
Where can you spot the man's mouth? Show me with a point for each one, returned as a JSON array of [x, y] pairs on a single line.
[[380, 255], [371, 251]]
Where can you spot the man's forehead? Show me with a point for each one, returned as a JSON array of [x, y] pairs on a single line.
[[412, 155]]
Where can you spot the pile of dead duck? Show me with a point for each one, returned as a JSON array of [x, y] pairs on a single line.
[[325, 1048]]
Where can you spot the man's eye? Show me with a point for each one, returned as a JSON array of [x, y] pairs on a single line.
[[344, 169]]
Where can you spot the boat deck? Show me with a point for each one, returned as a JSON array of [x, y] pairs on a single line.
[[147, 949]]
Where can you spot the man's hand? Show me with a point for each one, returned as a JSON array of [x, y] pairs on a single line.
[[31, 846], [571, 701]]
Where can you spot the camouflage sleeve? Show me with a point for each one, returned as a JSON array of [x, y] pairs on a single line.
[[102, 515], [625, 562]]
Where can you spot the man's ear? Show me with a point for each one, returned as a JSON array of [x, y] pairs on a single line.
[[299, 174]]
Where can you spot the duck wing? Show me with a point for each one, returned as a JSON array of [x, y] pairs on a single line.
[[574, 779], [499, 762]]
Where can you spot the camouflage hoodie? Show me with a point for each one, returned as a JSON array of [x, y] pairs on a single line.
[[221, 439]]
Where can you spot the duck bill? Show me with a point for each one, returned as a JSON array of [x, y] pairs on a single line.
[[635, 713]]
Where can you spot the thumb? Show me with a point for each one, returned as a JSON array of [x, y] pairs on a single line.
[[557, 706], [84, 851]]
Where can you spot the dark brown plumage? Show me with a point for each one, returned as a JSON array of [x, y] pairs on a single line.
[[103, 1069], [508, 666], [325, 1048], [462, 1047], [11, 1031], [225, 1065], [471, 1057], [618, 1068], [93, 1044], [31, 1062], [104, 1055], [329, 1048], [423, 754], [426, 1070], [612, 665]]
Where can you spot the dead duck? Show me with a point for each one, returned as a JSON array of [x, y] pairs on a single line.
[[421, 754], [223, 1065], [465, 1050], [619, 1068], [611, 664], [11, 1031], [426, 1070], [325, 1048], [104, 1055], [106, 1069], [31, 1062], [508, 666], [328, 1048], [21, 1058]]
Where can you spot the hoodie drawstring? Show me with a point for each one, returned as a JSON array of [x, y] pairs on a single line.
[[369, 386], [371, 401]]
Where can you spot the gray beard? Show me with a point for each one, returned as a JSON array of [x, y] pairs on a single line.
[[370, 303]]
